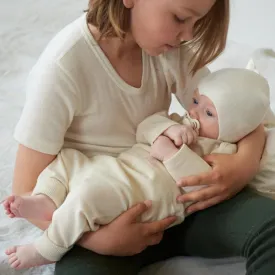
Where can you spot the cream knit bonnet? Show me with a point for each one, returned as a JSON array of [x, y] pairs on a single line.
[[241, 98]]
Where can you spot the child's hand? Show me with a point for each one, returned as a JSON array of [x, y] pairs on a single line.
[[126, 235], [181, 134]]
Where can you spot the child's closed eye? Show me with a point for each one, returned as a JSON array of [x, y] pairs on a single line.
[[179, 20]]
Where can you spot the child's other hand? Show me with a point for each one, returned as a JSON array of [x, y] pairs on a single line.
[[126, 235], [181, 134], [226, 179]]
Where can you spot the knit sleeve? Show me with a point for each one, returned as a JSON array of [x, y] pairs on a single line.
[[51, 104]]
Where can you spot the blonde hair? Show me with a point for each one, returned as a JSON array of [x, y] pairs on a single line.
[[110, 17], [210, 33]]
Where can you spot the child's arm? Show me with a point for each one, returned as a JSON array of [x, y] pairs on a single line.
[[153, 126], [229, 174]]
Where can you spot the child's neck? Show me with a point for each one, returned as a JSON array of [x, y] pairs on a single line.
[[125, 56], [119, 48]]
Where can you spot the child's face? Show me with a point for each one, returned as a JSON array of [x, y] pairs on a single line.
[[160, 25], [205, 112]]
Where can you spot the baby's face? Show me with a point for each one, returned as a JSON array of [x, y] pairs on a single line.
[[205, 112]]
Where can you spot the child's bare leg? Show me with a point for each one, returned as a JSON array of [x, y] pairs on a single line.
[[25, 256], [163, 148], [37, 207]]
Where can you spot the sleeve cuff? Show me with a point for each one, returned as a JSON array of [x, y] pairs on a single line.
[[35, 144], [186, 163], [152, 127], [158, 130]]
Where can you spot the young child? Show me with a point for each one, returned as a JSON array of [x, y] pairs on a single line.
[[218, 116]]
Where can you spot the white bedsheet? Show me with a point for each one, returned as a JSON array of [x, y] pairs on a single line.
[[25, 27]]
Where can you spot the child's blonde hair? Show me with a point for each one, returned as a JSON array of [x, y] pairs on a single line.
[[113, 20]]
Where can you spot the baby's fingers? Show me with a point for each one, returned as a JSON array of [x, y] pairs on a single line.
[[178, 141]]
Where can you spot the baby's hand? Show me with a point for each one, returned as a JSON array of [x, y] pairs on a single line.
[[181, 134]]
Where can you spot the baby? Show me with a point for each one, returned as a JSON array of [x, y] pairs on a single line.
[[79, 194]]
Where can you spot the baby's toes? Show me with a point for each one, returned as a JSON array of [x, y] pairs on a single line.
[[8, 211], [8, 201], [16, 264], [10, 250], [12, 258], [11, 215], [6, 205]]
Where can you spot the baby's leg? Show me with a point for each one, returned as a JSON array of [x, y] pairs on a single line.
[[38, 207], [51, 189], [95, 202], [19, 257], [27, 256]]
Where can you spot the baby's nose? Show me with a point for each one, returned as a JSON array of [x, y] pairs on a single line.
[[193, 114]]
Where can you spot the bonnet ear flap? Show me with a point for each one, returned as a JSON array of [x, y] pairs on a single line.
[[251, 66]]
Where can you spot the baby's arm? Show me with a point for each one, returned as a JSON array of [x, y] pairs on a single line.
[[153, 126], [163, 148], [184, 163], [179, 163], [168, 144], [165, 134]]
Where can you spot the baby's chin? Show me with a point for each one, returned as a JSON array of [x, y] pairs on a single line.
[[205, 135]]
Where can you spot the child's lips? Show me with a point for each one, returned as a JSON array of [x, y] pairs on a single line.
[[169, 47]]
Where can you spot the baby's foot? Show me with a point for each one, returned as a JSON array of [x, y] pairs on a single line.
[[38, 207], [163, 148], [25, 256]]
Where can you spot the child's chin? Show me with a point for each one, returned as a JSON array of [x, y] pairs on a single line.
[[154, 52]]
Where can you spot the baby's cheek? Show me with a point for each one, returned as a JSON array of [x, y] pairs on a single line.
[[208, 131], [202, 132]]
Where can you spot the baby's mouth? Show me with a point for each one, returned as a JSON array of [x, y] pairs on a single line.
[[193, 122]]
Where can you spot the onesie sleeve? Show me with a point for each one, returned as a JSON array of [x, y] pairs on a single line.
[[153, 126]]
